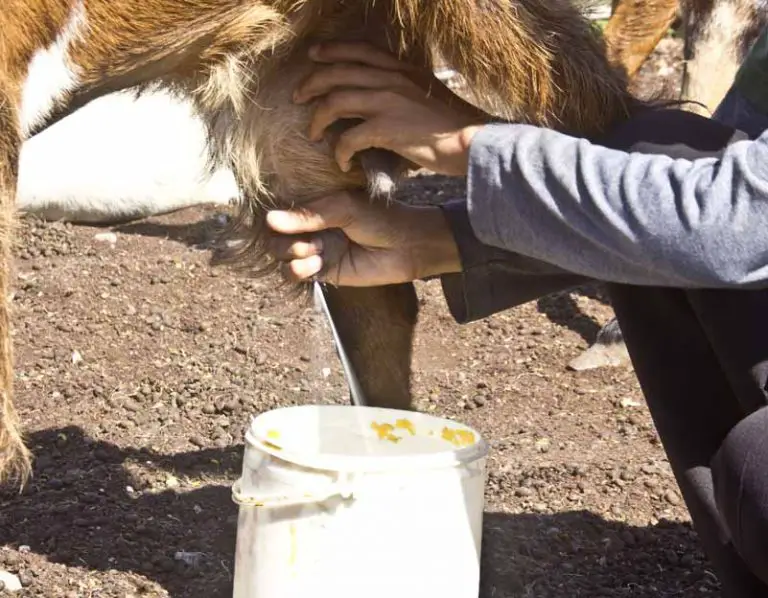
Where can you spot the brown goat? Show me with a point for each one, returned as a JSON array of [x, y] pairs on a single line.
[[535, 60]]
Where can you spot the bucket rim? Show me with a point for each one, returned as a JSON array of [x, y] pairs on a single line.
[[451, 457]]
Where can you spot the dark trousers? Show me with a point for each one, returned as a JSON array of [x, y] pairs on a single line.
[[701, 358]]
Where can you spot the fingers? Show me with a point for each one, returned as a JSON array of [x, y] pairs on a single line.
[[326, 78], [359, 52], [332, 211], [363, 136], [323, 256], [363, 104]]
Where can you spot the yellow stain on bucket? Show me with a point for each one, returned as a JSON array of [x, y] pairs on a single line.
[[272, 435], [406, 424], [384, 432], [460, 438]]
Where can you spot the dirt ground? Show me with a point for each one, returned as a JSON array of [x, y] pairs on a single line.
[[138, 368]]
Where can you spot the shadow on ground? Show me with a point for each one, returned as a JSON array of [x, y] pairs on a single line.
[[202, 233], [562, 309], [77, 511]]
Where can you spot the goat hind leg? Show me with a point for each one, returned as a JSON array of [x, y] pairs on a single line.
[[376, 326]]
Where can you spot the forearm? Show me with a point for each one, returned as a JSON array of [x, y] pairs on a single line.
[[619, 217], [491, 280]]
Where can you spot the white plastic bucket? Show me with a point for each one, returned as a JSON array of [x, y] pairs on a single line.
[[354, 502]]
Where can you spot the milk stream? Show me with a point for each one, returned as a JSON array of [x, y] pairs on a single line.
[[349, 373]]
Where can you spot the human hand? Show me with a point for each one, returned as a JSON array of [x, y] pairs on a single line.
[[357, 80], [348, 240]]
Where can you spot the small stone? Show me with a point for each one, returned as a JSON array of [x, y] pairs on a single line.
[[108, 237], [671, 497], [10, 582], [542, 445], [131, 405], [10, 558], [479, 400], [192, 559], [524, 492], [197, 441], [172, 482]]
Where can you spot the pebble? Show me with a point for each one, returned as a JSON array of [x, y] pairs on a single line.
[[109, 237], [479, 400], [10, 582], [25, 578], [524, 492], [671, 497]]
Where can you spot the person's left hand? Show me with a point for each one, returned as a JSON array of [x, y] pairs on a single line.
[[348, 240], [357, 80]]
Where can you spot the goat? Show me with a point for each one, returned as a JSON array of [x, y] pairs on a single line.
[[537, 61]]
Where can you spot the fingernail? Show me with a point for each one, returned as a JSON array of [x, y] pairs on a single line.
[[314, 51]]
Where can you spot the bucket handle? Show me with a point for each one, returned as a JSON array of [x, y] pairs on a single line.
[[278, 501]]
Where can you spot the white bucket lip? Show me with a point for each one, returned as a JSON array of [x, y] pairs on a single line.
[[363, 464]]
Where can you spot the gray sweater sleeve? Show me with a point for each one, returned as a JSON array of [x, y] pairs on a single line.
[[622, 217]]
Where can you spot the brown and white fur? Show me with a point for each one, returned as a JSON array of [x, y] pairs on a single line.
[[535, 60], [119, 159]]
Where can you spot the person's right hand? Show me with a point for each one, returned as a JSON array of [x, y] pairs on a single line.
[[348, 240], [356, 80]]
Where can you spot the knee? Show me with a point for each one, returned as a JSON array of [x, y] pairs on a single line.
[[740, 477]]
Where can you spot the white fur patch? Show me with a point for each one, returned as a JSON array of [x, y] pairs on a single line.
[[120, 158], [51, 76]]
